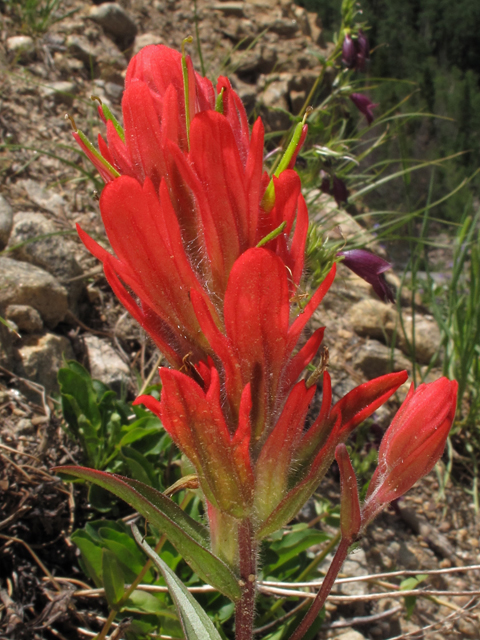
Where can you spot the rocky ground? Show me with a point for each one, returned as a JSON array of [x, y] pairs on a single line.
[[56, 299]]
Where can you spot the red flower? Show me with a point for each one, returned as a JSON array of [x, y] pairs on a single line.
[[259, 433], [187, 209], [413, 443]]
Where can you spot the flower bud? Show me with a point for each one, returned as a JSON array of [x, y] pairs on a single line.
[[362, 50], [364, 105], [349, 52], [413, 443]]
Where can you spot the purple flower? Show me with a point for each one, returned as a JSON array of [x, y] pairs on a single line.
[[363, 50], [349, 52], [371, 268], [364, 105], [356, 52]]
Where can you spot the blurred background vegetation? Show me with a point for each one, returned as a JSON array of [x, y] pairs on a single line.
[[428, 50]]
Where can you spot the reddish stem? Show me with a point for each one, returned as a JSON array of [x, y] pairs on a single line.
[[245, 608], [325, 589]]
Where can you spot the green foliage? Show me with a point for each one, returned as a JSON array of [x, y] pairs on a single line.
[[36, 16], [105, 543], [428, 51], [409, 584], [195, 622], [114, 435]]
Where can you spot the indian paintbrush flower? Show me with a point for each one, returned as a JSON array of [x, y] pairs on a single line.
[[208, 256], [185, 207]]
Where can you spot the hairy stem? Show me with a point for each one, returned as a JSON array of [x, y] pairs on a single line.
[[245, 608], [325, 589]]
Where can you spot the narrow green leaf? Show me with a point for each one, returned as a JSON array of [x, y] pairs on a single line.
[[190, 538], [98, 156], [272, 235], [195, 622], [113, 580], [109, 116]]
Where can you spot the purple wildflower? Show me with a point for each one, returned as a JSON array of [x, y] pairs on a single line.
[[371, 268], [364, 105]]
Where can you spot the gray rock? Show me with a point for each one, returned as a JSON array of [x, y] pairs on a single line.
[[275, 96], [8, 348], [62, 92], [301, 16], [114, 20], [230, 8], [254, 61], [247, 93], [81, 48], [146, 39], [41, 358], [114, 91], [110, 59], [45, 199], [315, 30], [375, 359], [54, 253], [427, 338], [26, 318], [6, 221], [26, 284], [285, 27], [105, 363], [303, 81], [21, 47], [373, 319]]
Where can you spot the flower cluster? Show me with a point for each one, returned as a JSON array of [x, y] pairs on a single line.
[[184, 219], [355, 52], [208, 256]]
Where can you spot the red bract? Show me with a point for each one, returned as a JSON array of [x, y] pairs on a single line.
[[187, 209], [257, 348], [413, 443]]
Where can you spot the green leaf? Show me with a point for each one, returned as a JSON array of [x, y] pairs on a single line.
[[190, 538], [139, 466], [294, 543], [408, 585], [113, 580], [195, 622], [91, 555], [144, 602]]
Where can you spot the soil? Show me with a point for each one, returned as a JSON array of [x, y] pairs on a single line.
[[433, 527]]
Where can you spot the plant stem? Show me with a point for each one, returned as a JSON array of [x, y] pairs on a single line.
[[245, 608], [325, 589]]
